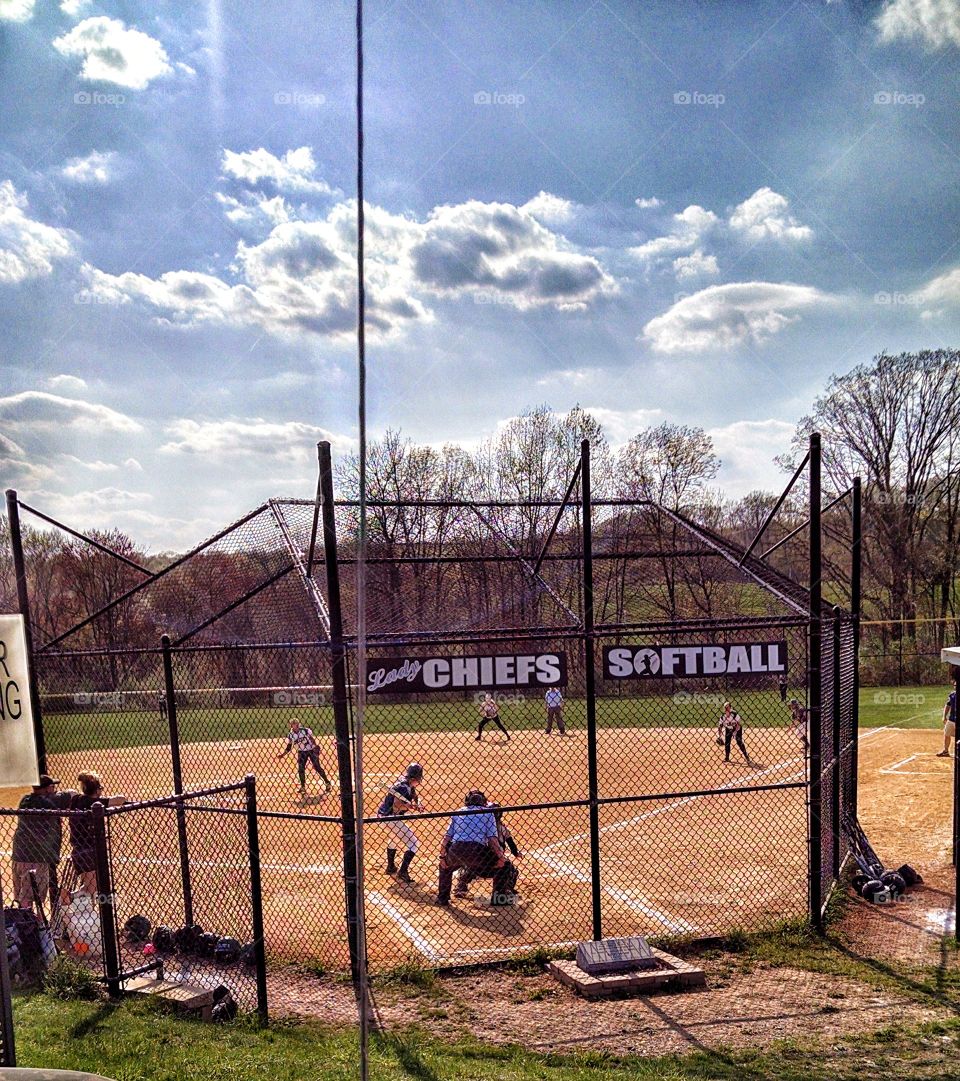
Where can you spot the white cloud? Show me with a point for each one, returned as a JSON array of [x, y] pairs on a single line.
[[940, 294], [688, 230], [696, 265], [935, 22], [28, 248], [621, 425], [255, 211], [725, 316], [66, 382], [94, 467], [747, 449], [113, 53], [766, 216], [74, 8], [293, 173], [649, 204], [286, 441], [16, 468], [95, 168], [35, 409], [302, 277], [16, 11], [551, 209], [132, 464]]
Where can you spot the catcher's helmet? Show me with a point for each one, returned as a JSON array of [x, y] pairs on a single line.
[[227, 951], [163, 938], [207, 943], [414, 771], [475, 798], [248, 955], [894, 882], [909, 875], [859, 881], [137, 928], [185, 938], [872, 888]]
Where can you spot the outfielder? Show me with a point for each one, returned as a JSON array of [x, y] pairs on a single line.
[[949, 724], [307, 751], [401, 798], [798, 721], [730, 728], [490, 711]]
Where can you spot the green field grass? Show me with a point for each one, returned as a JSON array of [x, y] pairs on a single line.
[[904, 707]]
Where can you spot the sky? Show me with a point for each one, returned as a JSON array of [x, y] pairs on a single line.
[[693, 213]]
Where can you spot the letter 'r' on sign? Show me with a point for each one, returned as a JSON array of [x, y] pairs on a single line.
[[18, 748]]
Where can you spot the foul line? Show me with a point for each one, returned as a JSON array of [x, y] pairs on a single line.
[[419, 941]]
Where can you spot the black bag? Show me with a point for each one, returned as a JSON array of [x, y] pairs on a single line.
[[26, 927]]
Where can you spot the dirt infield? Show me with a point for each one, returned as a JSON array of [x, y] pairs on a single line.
[[675, 865]]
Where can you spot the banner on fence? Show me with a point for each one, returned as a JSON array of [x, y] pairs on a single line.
[[677, 661], [415, 675], [18, 748]]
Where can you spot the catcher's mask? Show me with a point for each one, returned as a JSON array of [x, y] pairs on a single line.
[[475, 798]]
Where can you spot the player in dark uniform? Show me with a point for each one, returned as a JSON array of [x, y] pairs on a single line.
[[401, 798], [490, 711], [949, 724], [730, 728]]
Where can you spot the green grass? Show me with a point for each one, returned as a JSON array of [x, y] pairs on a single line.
[[905, 707], [137, 1042]]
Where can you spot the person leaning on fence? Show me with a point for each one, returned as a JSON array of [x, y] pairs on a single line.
[[554, 701], [37, 841], [507, 844], [82, 844], [471, 844], [949, 724]]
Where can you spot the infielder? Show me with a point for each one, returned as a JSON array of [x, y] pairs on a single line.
[[730, 728], [949, 724], [490, 711], [401, 798], [798, 722], [554, 702], [307, 751]]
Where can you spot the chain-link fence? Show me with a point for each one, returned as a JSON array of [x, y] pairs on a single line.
[[168, 888]]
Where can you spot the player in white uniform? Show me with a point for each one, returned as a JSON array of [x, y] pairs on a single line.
[[798, 721], [307, 751], [730, 729]]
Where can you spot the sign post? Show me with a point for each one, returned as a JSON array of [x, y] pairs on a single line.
[[951, 656]]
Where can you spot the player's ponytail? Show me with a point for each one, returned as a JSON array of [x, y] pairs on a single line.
[[89, 783]]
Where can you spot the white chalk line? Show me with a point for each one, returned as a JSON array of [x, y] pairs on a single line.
[[421, 942]]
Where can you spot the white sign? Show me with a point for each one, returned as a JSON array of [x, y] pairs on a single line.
[[18, 748]]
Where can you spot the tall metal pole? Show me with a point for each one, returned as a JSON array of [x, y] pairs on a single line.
[[256, 896], [590, 686], [956, 806], [105, 902], [23, 602], [170, 694], [835, 750], [8, 1051], [856, 607], [341, 719], [814, 682]]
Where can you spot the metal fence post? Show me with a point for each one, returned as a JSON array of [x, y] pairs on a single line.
[[341, 720], [256, 896], [836, 802], [105, 902], [814, 660], [170, 695], [23, 603], [856, 603], [8, 1051], [590, 688]]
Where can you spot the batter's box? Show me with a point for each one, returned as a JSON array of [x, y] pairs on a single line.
[[943, 766]]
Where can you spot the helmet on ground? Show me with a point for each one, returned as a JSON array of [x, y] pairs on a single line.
[[414, 771], [909, 875], [207, 943], [163, 938], [859, 881], [227, 951], [872, 888], [138, 928], [248, 955], [894, 882], [185, 938]]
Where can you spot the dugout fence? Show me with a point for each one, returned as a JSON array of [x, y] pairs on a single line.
[[631, 821]]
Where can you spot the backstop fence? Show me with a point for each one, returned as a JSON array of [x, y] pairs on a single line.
[[571, 660]]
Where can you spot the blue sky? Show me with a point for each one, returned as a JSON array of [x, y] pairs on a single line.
[[685, 212]]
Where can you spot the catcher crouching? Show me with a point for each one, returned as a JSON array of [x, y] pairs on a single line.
[[472, 845]]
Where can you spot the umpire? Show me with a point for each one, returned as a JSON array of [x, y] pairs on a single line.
[[471, 843]]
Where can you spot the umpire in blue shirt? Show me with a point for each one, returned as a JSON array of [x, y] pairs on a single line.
[[471, 842]]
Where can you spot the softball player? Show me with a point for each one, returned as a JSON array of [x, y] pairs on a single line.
[[307, 751], [730, 728], [507, 844], [949, 724], [401, 798], [798, 721], [490, 711]]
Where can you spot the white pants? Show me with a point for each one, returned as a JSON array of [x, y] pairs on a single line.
[[402, 833]]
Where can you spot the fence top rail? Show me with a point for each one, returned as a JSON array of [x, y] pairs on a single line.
[[176, 800]]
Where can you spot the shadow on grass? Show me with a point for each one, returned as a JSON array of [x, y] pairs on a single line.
[[95, 1021]]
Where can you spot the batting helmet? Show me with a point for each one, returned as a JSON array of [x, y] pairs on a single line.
[[163, 938], [858, 882], [872, 888], [138, 928], [207, 943], [248, 955], [414, 772], [185, 938], [224, 1007], [909, 875], [894, 882], [227, 951]]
